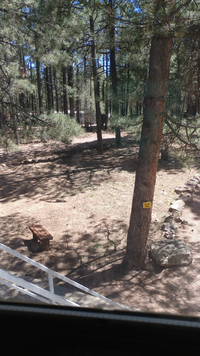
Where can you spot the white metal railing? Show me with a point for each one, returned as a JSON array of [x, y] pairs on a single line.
[[32, 290], [41, 293]]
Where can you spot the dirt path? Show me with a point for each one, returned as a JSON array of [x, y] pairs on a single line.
[[84, 201]]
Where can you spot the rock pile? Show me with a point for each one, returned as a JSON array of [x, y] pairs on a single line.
[[170, 252], [185, 192]]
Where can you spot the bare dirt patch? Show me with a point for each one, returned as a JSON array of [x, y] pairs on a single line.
[[84, 201]]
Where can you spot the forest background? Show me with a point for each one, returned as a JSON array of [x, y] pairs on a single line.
[[47, 66]]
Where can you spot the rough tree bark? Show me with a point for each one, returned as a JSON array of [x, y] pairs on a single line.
[[154, 106]]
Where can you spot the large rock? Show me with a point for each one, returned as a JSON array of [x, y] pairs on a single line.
[[177, 207], [170, 253]]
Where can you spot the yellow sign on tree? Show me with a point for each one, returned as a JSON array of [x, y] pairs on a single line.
[[147, 205]]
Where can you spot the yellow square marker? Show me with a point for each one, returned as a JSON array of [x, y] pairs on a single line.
[[147, 205]]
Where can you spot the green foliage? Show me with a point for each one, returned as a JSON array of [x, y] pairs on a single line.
[[56, 127], [59, 127], [8, 143], [126, 123], [56, 35]]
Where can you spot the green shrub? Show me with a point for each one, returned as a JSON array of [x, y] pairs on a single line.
[[59, 127], [56, 127], [8, 143], [126, 123]]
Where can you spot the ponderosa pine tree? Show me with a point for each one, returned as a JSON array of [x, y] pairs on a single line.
[[154, 108], [155, 101]]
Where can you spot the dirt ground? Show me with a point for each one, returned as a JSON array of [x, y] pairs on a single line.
[[84, 201]]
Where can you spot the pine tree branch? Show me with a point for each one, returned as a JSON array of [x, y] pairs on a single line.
[[179, 8], [179, 136]]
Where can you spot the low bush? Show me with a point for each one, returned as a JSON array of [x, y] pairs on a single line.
[[59, 127], [56, 127]]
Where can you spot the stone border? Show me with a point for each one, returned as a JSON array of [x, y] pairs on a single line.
[[173, 216], [170, 252]]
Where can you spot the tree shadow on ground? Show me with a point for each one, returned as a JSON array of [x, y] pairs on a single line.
[[80, 170], [66, 254], [75, 174], [174, 290]]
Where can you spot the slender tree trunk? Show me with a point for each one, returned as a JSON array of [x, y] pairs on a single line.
[[128, 85], [96, 90], [39, 86], [155, 101], [56, 89], [48, 89], [32, 96], [107, 99], [51, 88], [71, 84], [65, 103], [15, 122], [113, 71], [78, 95]]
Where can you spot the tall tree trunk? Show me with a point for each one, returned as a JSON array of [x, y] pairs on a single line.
[[78, 96], [71, 95], [15, 121], [48, 89], [39, 86], [113, 71], [32, 96], [128, 86], [65, 102], [51, 88], [96, 90], [155, 101], [56, 90], [107, 100]]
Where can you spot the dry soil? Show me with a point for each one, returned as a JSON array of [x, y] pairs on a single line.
[[84, 201]]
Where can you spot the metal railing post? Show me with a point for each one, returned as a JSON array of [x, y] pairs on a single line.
[[50, 279]]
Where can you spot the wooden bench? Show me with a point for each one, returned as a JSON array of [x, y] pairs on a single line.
[[42, 235]]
